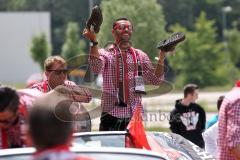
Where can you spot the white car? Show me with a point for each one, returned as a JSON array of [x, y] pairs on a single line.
[[94, 153], [172, 145]]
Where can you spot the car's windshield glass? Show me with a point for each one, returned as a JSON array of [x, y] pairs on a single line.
[[101, 140], [121, 156]]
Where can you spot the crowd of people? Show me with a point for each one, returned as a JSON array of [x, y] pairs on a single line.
[[28, 118]]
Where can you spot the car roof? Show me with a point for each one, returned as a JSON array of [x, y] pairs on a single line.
[[84, 150]]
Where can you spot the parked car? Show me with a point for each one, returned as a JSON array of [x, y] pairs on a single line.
[[172, 145], [95, 153]]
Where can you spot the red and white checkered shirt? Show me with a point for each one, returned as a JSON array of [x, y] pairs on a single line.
[[44, 87], [106, 64], [229, 124]]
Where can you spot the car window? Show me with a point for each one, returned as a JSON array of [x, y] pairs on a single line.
[[101, 140]]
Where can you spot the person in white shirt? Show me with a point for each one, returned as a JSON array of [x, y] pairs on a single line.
[[210, 139]]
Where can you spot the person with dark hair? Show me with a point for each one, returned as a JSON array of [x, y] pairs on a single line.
[[188, 118], [51, 131], [125, 70], [209, 135], [9, 118], [214, 119]]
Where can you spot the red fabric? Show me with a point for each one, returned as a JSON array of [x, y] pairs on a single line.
[[237, 83], [45, 87], [137, 131], [125, 70], [4, 139]]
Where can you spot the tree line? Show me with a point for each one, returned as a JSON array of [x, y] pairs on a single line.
[[204, 58]]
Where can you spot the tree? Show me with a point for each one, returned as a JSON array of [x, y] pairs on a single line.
[[40, 49], [184, 12], [62, 12], [72, 46], [147, 19], [233, 39], [201, 59]]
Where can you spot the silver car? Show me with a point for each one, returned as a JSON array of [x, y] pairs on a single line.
[[172, 145], [94, 153]]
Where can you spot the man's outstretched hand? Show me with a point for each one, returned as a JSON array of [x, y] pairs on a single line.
[[89, 34]]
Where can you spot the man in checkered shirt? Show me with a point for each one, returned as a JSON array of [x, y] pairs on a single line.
[[229, 125], [56, 75], [116, 112]]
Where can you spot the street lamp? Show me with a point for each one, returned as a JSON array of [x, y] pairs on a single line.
[[225, 10]]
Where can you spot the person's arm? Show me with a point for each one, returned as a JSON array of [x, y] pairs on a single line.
[[210, 139], [152, 75], [174, 125], [159, 71], [75, 93], [203, 119], [90, 35], [96, 61], [233, 129]]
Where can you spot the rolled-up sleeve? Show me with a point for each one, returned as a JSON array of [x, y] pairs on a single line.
[[149, 71], [97, 63]]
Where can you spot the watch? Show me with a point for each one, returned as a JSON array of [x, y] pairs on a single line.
[[92, 43]]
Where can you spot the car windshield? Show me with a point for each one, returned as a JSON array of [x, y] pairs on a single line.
[[122, 156], [101, 140]]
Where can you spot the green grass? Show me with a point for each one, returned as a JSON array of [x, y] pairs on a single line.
[[15, 85], [158, 129], [207, 89]]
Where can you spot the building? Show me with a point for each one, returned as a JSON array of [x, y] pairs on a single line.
[[16, 32]]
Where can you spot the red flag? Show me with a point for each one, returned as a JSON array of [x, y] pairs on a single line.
[[137, 131]]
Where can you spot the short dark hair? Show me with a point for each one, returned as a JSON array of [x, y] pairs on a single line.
[[119, 19], [189, 89], [219, 102], [9, 99], [48, 128]]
